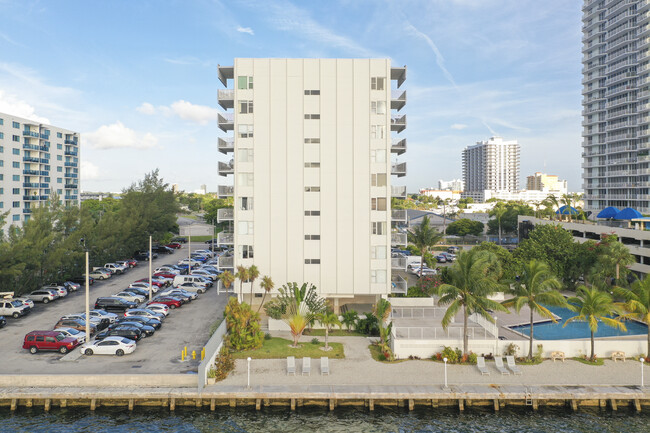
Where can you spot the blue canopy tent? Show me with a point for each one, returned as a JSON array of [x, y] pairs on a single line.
[[567, 210], [627, 214], [608, 212]]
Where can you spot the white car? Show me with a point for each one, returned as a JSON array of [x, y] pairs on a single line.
[[192, 287], [109, 346], [117, 269], [129, 297], [141, 285], [74, 333], [205, 273], [145, 312], [208, 253], [167, 269], [191, 262], [60, 290], [82, 316], [101, 314], [425, 271], [172, 292], [100, 275], [26, 301], [159, 308]]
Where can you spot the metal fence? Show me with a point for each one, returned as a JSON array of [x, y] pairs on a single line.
[[436, 332]]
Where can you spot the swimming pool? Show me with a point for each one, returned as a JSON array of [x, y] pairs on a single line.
[[555, 331]]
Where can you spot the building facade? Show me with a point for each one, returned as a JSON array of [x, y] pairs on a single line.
[[490, 165], [616, 104], [546, 182], [314, 144], [37, 161], [453, 185]]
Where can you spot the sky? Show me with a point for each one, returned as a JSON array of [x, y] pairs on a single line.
[[138, 78]]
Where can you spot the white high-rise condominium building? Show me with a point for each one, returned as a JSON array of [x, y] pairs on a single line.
[[616, 104], [490, 165], [452, 185], [314, 145], [36, 161]]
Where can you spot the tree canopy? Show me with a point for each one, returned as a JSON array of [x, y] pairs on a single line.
[[464, 227]]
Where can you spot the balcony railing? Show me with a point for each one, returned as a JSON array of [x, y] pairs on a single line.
[[226, 98], [30, 159], [71, 152], [398, 263], [397, 99], [71, 186], [398, 74], [226, 121], [73, 142], [71, 175], [225, 191], [27, 211], [398, 123], [69, 164], [399, 146], [397, 239], [226, 144], [398, 215], [225, 238], [70, 197], [398, 285], [225, 73], [225, 214], [226, 262], [226, 169], [398, 191], [31, 172], [399, 170], [30, 185], [31, 134]]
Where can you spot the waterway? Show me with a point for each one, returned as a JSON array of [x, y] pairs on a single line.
[[347, 420]]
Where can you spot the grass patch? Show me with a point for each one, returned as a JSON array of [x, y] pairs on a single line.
[[279, 348], [598, 361], [334, 333], [200, 238], [526, 361], [191, 216], [215, 325], [375, 352]]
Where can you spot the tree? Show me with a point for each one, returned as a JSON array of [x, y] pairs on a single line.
[[637, 302], [253, 273], [553, 203], [464, 227], [463, 202], [328, 319], [227, 278], [612, 257], [267, 284], [382, 310], [242, 275], [535, 287], [244, 331], [424, 237], [498, 211], [350, 318], [592, 306], [509, 266], [444, 203], [473, 278]]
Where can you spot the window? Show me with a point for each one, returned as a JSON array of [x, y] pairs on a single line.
[[312, 189], [245, 131], [378, 107], [59, 191], [59, 180], [312, 261], [245, 107], [378, 203], [15, 204], [312, 116], [312, 213], [2, 122], [15, 138], [16, 178], [59, 135], [378, 276], [2, 163], [377, 83], [312, 92], [379, 228], [245, 227], [312, 164], [15, 151], [15, 191], [15, 125], [59, 146], [245, 155], [15, 164], [2, 135], [246, 203], [59, 158], [245, 179], [59, 169], [16, 218], [244, 82], [2, 176], [312, 140], [246, 251], [2, 205], [2, 149], [377, 131], [378, 155], [312, 237], [378, 179], [2, 190], [378, 252]]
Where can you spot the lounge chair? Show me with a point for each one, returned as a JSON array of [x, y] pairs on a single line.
[[512, 366], [480, 363], [498, 362], [306, 366], [291, 365], [324, 366]]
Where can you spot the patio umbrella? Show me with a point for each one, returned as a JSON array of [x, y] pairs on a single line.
[[608, 212], [627, 214]]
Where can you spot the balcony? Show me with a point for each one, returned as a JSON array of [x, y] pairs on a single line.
[[226, 98], [399, 146], [73, 142], [398, 215], [31, 172], [226, 121], [71, 175], [69, 164], [71, 153], [224, 191], [70, 197], [398, 74], [226, 262], [398, 123], [225, 73], [398, 263], [226, 169], [397, 99], [398, 239], [30, 159], [31, 134], [225, 214], [399, 170], [225, 238], [398, 191], [30, 185], [30, 197], [27, 211], [71, 186], [226, 144], [398, 285]]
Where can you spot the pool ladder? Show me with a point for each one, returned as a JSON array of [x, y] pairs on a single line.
[[529, 396]]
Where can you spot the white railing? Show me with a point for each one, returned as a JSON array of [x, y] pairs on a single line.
[[398, 285], [436, 333], [418, 313], [490, 327], [225, 214], [212, 348], [398, 191], [398, 263]]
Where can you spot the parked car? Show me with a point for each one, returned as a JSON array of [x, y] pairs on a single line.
[[59, 289], [13, 308], [174, 245], [144, 255], [154, 322], [73, 333], [130, 296], [425, 271], [180, 293], [441, 259], [100, 323], [145, 312], [43, 295], [157, 283], [26, 302], [158, 308], [199, 279], [170, 301], [108, 270], [3, 321], [100, 275], [165, 280], [147, 330], [193, 262], [131, 263], [78, 324], [181, 239], [82, 280], [49, 340], [67, 285], [449, 257], [166, 269], [109, 346], [114, 304], [161, 249], [192, 287], [453, 250], [111, 317], [205, 273], [126, 331], [208, 253], [144, 286], [116, 268], [137, 291], [396, 250]]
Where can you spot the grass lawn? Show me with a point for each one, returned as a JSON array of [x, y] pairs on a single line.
[[200, 238], [599, 361], [375, 352], [280, 348], [334, 333], [191, 216]]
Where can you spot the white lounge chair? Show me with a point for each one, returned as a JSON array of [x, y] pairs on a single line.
[[512, 366], [498, 362], [324, 366], [306, 366], [480, 363], [291, 365]]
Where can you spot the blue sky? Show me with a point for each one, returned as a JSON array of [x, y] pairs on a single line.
[[138, 77]]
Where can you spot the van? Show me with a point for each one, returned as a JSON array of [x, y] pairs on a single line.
[[180, 279], [13, 308]]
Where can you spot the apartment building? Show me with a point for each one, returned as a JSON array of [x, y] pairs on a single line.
[[616, 104], [314, 143], [36, 162], [491, 165], [546, 182]]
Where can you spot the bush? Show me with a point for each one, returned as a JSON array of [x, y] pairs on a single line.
[[381, 357], [472, 358], [243, 324], [538, 353], [267, 336], [315, 341], [511, 349], [223, 364], [369, 325], [452, 355]]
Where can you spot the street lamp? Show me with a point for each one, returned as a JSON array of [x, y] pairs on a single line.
[[82, 241], [249, 373], [189, 249], [150, 276], [642, 361], [446, 387]]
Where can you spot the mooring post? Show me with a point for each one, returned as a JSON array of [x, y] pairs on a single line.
[[198, 402], [496, 405], [411, 404], [612, 403], [232, 402], [293, 404], [47, 405], [637, 405], [172, 403], [131, 404], [258, 403], [93, 404], [14, 403], [212, 404], [29, 402], [574, 404], [434, 404], [535, 404], [332, 403], [63, 403], [371, 404], [461, 404]]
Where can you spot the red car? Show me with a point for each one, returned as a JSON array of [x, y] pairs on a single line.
[[49, 340], [165, 275], [175, 245], [154, 282], [166, 300]]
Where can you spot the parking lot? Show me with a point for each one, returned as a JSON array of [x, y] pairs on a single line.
[[160, 353]]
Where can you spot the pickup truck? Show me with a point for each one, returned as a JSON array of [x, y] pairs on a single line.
[[14, 309], [117, 269]]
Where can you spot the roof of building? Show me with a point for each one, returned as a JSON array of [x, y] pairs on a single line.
[[608, 212], [627, 214]]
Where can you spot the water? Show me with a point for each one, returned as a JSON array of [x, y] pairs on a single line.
[[555, 331], [346, 420]]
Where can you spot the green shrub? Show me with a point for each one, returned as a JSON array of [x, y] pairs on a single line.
[[223, 364], [315, 341], [538, 353], [369, 325], [511, 350], [472, 358], [381, 357], [267, 336], [452, 355], [243, 324]]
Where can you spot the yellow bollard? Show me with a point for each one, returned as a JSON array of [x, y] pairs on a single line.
[[194, 354], [202, 353], [182, 355], [185, 350]]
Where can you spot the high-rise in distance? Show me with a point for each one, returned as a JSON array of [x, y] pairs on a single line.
[[616, 104], [314, 145]]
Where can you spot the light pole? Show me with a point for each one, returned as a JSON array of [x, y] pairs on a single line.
[[496, 336], [82, 241], [150, 276], [642, 361], [249, 373], [189, 250], [445, 359]]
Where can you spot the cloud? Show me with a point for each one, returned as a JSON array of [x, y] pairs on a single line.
[[458, 126], [440, 60], [89, 170], [10, 104], [117, 136], [201, 114], [146, 108], [248, 30]]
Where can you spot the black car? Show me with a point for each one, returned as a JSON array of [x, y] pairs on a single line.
[[147, 330], [161, 249], [131, 332], [114, 304], [82, 280], [144, 255], [3, 321], [148, 321]]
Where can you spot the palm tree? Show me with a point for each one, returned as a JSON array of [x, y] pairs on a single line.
[[567, 201], [226, 278], [473, 278], [637, 302], [242, 275], [424, 237], [350, 318], [253, 273], [612, 254], [593, 306], [498, 211], [554, 204], [267, 284], [536, 286], [382, 310], [328, 319], [445, 202]]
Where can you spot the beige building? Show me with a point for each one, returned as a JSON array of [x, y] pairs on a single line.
[[546, 182], [314, 144]]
